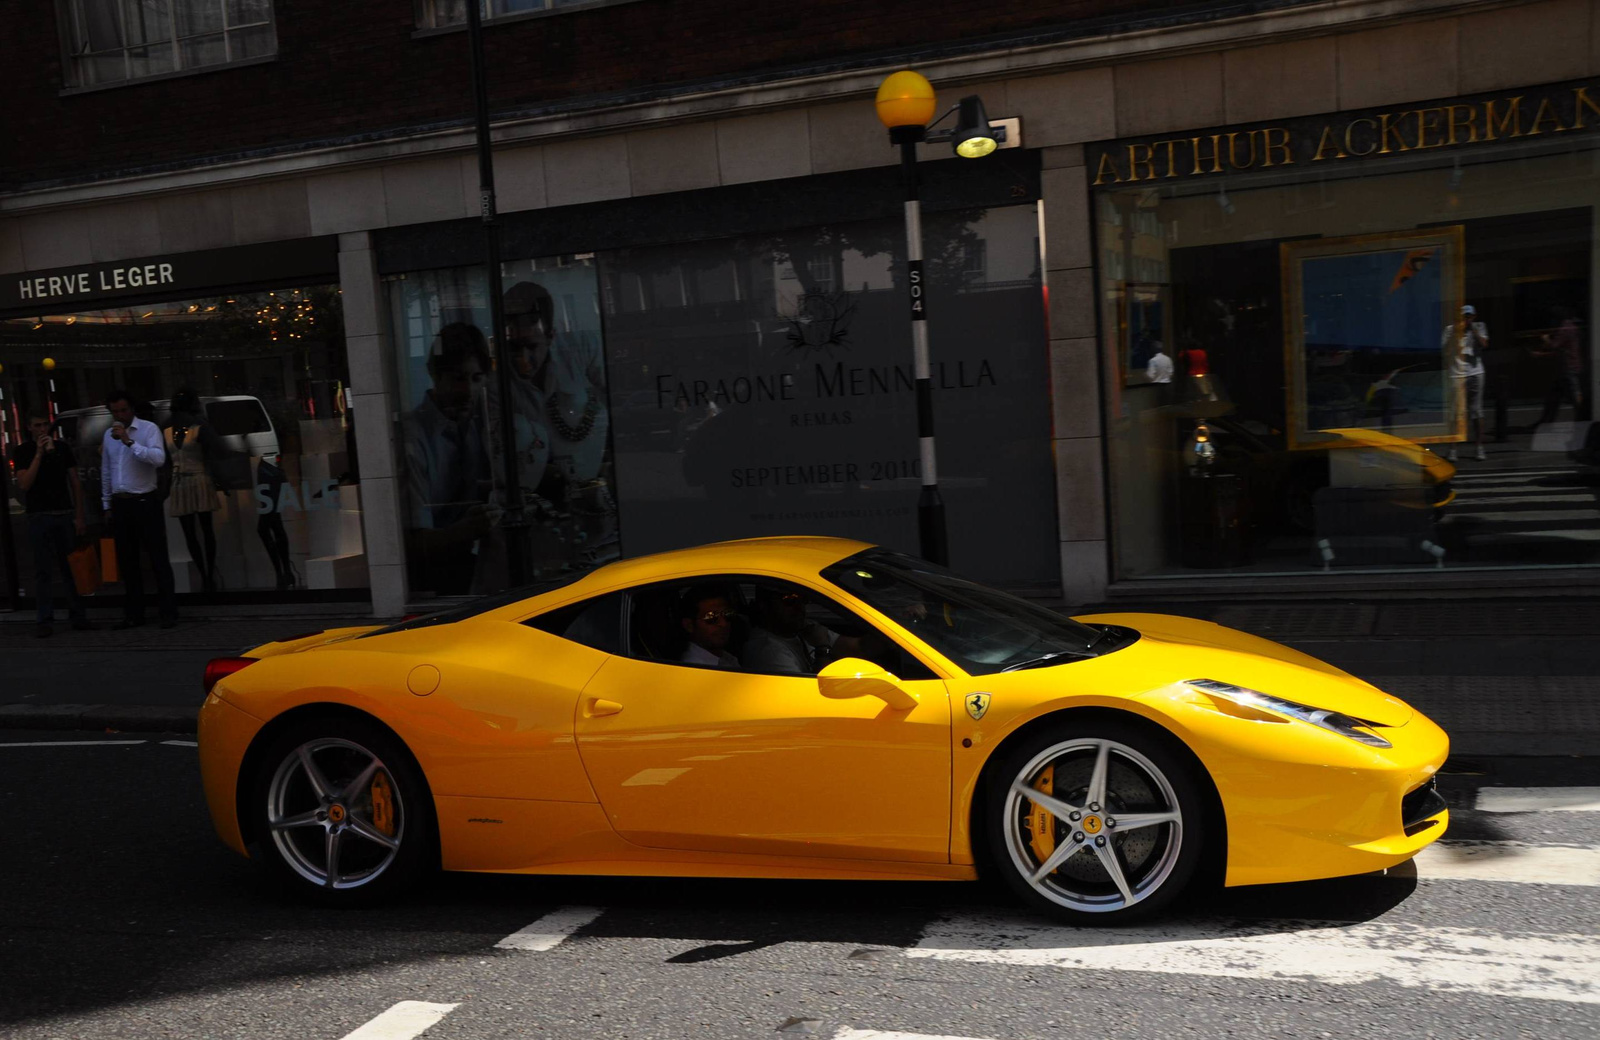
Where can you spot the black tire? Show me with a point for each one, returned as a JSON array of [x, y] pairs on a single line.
[[1146, 776], [393, 805]]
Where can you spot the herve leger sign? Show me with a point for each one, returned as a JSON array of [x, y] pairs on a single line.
[[791, 408], [1561, 111], [65, 289]]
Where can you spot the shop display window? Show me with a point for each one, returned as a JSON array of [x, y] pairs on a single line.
[[1331, 372], [267, 499], [764, 385], [677, 395]]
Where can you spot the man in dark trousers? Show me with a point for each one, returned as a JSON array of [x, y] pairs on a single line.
[[48, 476], [131, 457]]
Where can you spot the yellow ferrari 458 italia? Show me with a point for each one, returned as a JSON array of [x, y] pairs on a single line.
[[810, 708]]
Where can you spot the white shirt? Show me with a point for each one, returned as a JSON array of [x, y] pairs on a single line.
[[1468, 362], [697, 654], [766, 651], [130, 468], [1159, 370], [444, 465]]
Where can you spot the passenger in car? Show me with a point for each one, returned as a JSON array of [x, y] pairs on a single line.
[[784, 640], [706, 614]]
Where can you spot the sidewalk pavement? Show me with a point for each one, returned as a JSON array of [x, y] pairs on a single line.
[[1503, 677]]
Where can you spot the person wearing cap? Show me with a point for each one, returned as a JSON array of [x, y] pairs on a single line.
[[1463, 344]]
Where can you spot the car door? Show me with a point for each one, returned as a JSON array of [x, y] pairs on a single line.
[[740, 760]]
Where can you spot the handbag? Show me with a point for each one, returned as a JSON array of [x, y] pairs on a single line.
[[85, 561], [108, 560]]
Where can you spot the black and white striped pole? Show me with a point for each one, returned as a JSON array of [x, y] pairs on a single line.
[[905, 104], [934, 542]]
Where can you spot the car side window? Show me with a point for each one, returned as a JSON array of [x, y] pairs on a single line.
[[754, 624], [594, 622], [694, 623]]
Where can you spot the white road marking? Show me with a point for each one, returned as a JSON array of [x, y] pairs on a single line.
[[405, 1020], [1539, 967], [71, 743], [1510, 861], [551, 930], [1543, 515], [1538, 799], [181, 743], [882, 1034]]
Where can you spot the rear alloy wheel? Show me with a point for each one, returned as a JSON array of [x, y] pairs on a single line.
[[343, 814], [1098, 826]]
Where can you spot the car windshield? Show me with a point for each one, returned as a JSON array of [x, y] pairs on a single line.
[[980, 629]]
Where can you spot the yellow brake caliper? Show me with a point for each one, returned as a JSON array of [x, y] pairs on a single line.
[[1041, 823], [383, 803]]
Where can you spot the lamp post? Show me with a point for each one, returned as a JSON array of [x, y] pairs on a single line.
[[514, 523], [905, 104]]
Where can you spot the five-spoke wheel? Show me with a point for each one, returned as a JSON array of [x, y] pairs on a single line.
[[1103, 823], [342, 810]]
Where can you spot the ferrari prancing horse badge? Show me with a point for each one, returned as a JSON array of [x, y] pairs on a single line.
[[977, 704]]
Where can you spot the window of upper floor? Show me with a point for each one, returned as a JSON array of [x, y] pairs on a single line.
[[452, 14], [106, 42]]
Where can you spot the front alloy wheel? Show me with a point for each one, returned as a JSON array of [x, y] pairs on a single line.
[[1096, 826]]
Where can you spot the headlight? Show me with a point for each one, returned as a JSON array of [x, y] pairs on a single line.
[[1333, 721]]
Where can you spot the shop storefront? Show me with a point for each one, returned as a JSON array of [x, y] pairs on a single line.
[[256, 336], [1350, 343], [727, 364]]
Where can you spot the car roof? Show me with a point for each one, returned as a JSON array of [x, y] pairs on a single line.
[[801, 554], [784, 554]]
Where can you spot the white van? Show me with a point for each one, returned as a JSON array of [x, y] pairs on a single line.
[[240, 421]]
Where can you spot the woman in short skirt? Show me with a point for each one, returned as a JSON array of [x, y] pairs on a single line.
[[194, 495]]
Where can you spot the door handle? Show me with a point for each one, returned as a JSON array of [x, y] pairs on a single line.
[[600, 706]]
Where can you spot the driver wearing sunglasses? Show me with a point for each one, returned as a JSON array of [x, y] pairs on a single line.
[[706, 614]]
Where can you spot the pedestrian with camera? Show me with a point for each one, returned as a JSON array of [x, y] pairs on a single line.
[[131, 456], [47, 474]]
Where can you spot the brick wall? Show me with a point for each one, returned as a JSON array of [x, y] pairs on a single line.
[[355, 68]]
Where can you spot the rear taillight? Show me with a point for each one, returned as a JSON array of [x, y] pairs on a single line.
[[219, 668]]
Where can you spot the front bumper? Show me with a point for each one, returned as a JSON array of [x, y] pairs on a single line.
[[1359, 811]]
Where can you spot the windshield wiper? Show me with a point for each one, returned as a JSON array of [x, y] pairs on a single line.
[[1044, 659], [1105, 633], [1035, 662]]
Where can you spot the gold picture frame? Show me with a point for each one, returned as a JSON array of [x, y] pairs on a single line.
[[1364, 342]]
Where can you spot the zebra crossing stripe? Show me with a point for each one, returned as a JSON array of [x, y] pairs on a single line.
[[1538, 799], [1559, 967], [549, 931], [1509, 861], [1542, 515], [880, 1034], [405, 1020]]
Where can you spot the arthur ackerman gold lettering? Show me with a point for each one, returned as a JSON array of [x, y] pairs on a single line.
[[1386, 133]]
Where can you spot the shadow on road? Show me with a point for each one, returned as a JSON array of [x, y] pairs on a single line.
[[117, 893]]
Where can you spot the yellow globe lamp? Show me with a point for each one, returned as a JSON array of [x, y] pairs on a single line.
[[905, 98], [48, 363]]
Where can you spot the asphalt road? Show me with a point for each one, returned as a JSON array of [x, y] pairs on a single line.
[[124, 917]]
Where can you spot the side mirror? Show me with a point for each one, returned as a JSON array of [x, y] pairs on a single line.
[[851, 677]]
